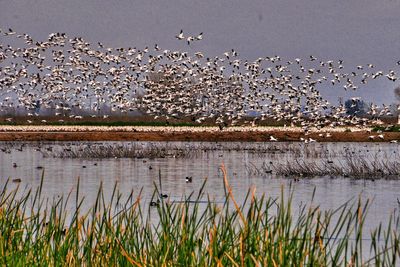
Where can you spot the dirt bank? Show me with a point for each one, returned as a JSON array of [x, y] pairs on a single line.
[[186, 134]]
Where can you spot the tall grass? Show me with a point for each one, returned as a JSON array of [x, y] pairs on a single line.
[[153, 149], [354, 166], [261, 231], [392, 128], [133, 150]]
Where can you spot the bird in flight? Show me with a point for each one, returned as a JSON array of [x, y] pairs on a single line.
[[180, 36], [189, 39]]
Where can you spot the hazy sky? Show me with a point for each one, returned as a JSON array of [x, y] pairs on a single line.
[[357, 31]]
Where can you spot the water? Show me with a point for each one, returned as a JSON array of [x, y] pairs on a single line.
[[135, 174]]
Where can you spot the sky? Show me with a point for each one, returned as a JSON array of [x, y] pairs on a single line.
[[356, 31]]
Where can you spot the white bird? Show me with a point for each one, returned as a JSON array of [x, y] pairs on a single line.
[[180, 35], [70, 74], [199, 37]]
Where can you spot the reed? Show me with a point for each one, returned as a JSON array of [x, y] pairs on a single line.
[[124, 231], [135, 150], [178, 150], [149, 149], [378, 167]]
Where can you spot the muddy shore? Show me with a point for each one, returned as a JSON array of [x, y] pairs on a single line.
[[45, 133]]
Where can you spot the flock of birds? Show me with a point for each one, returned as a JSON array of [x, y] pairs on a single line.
[[72, 74]]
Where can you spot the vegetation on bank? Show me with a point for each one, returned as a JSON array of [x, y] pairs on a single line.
[[349, 166], [148, 122], [108, 123], [393, 128], [130, 121], [128, 231]]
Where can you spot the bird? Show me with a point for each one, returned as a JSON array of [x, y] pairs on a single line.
[[70, 74], [190, 39], [155, 203], [180, 35], [188, 179], [199, 37]]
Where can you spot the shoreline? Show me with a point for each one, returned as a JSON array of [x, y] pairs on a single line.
[[159, 133]]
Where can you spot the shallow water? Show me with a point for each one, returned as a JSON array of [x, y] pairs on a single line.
[[135, 174]]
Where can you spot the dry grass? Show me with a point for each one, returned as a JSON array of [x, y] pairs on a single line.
[[135, 150], [350, 165]]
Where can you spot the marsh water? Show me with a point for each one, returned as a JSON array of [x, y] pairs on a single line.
[[242, 161]]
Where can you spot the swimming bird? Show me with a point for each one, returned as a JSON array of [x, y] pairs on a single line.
[[155, 203]]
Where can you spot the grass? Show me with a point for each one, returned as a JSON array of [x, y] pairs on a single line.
[[126, 231], [126, 123], [109, 123], [394, 128], [114, 120], [155, 149], [181, 150], [134, 150], [352, 166]]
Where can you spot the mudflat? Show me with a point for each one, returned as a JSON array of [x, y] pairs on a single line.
[[158, 133]]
